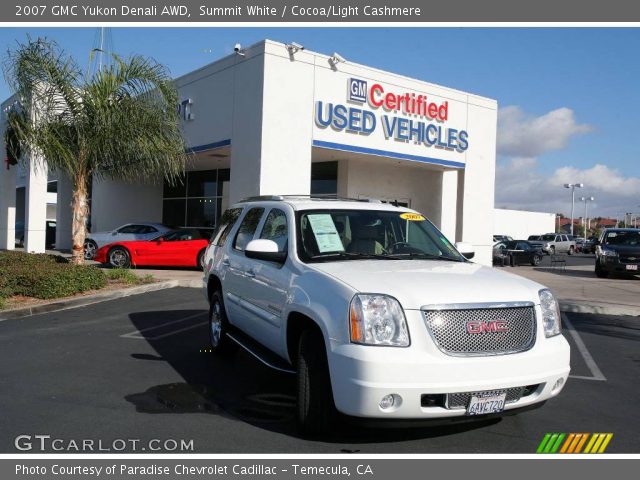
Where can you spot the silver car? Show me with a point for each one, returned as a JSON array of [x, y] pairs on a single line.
[[130, 231]]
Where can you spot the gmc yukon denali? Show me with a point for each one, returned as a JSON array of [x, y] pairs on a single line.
[[377, 313]]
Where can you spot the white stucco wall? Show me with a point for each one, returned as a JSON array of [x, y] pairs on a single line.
[[520, 224]]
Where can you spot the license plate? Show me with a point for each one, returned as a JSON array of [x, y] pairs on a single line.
[[632, 267], [489, 402]]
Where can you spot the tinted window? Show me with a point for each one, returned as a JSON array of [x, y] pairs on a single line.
[[248, 228], [130, 229], [275, 228], [146, 229], [522, 246], [628, 238], [227, 222], [182, 235], [548, 238]]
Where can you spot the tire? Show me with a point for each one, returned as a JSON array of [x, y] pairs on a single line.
[[552, 250], [90, 248], [218, 327], [200, 260], [119, 257], [600, 273], [571, 251], [535, 261], [316, 410]]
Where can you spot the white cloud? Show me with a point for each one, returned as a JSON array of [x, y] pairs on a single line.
[[524, 135], [520, 185]]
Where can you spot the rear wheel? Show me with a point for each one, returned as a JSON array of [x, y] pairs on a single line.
[[90, 248], [118, 257], [316, 409], [535, 261], [218, 326], [200, 260]]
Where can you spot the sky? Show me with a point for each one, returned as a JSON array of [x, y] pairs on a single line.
[[568, 98]]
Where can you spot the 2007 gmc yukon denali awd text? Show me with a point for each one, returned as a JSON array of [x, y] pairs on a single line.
[[377, 313]]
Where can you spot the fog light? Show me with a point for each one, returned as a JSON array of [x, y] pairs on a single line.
[[557, 386], [390, 402]]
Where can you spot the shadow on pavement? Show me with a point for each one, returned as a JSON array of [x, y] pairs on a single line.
[[240, 387]]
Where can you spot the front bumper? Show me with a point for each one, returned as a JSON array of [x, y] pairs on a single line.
[[614, 265], [362, 375]]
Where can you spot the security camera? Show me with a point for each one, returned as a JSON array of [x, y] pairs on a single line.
[[294, 47], [238, 49], [336, 58]]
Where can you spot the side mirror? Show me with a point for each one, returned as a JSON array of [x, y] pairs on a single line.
[[466, 249], [266, 250]]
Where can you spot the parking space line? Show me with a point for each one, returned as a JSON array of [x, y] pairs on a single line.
[[139, 334], [588, 359]]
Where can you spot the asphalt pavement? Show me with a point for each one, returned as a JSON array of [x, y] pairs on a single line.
[[137, 368]]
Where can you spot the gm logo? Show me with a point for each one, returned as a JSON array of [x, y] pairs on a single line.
[[357, 90]]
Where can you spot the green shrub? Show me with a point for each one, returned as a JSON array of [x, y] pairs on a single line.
[[45, 276], [122, 275]]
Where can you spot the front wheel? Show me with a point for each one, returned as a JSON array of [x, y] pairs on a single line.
[[600, 273], [571, 250], [218, 326], [552, 250], [119, 257], [316, 409]]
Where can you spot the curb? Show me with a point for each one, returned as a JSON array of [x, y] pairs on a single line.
[[95, 298], [573, 306]]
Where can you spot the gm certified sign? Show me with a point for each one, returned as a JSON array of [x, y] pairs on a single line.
[[357, 90]]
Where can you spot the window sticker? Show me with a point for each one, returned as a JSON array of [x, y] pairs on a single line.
[[412, 217], [326, 233]]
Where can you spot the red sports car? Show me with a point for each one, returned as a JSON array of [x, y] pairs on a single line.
[[178, 248]]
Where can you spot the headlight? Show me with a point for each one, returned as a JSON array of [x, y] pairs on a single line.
[[608, 253], [550, 313], [546, 245], [378, 320]]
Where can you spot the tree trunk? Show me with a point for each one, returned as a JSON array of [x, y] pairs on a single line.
[[80, 211]]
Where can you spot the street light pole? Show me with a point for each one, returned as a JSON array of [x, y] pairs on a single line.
[[573, 187], [586, 200]]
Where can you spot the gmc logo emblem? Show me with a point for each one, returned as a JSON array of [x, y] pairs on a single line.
[[474, 327]]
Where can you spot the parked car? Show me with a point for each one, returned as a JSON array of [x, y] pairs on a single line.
[[50, 233], [125, 233], [552, 243], [177, 248], [517, 252], [377, 313], [618, 251], [502, 238]]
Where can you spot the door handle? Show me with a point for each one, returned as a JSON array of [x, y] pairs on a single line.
[[250, 273]]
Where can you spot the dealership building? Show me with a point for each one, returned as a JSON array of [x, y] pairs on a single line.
[[277, 119]]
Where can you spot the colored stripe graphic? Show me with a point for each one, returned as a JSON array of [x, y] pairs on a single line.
[[574, 443]]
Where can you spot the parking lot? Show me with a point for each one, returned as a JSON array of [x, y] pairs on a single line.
[[136, 368]]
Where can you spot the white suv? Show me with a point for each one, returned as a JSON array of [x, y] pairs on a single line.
[[377, 313]]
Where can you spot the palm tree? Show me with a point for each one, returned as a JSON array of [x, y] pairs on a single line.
[[120, 123]]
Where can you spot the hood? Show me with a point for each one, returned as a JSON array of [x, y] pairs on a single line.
[[416, 283]]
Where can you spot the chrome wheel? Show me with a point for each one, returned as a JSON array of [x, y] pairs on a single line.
[[89, 250], [216, 323], [118, 258]]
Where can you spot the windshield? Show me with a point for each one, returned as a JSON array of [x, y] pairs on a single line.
[[548, 237], [328, 235], [630, 239]]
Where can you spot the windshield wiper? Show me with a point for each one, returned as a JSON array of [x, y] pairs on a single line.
[[424, 255], [353, 256]]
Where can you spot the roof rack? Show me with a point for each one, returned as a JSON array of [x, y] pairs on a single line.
[[281, 198]]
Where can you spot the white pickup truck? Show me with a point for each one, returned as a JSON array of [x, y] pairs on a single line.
[[377, 313]]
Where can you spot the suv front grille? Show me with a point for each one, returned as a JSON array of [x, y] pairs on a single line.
[[481, 330]]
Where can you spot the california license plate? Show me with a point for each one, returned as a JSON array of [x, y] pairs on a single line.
[[488, 402], [632, 267]]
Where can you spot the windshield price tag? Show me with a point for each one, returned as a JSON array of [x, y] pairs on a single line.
[[326, 233], [412, 217]]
